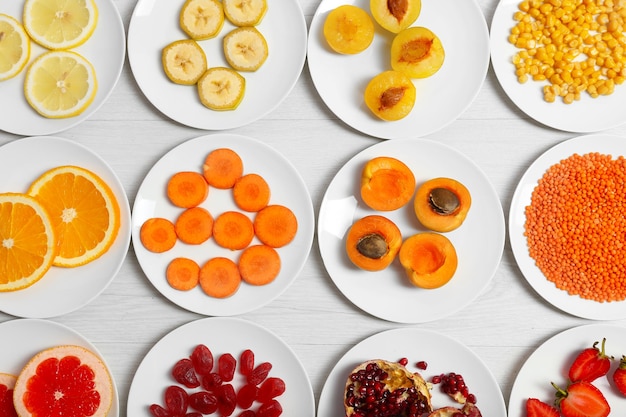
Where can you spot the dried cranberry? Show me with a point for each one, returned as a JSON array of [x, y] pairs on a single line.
[[202, 359], [246, 395], [211, 381], [184, 373], [203, 401], [246, 362], [226, 366], [176, 400], [157, 411], [271, 409], [271, 388], [259, 373], [227, 400]]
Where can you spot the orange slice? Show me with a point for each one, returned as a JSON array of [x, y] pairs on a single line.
[[27, 241], [7, 383], [64, 380], [84, 211]]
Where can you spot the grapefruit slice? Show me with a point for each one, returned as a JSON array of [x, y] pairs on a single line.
[[7, 383], [64, 380]]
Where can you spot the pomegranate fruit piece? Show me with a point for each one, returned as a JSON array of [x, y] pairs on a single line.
[[176, 400], [203, 401], [259, 373], [157, 411], [246, 395], [270, 409], [212, 381], [271, 388], [454, 385], [226, 400], [202, 359], [184, 373], [226, 364], [246, 362]]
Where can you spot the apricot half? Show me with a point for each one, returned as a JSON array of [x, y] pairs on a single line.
[[429, 259], [373, 242], [386, 183], [395, 15], [417, 52], [441, 204], [348, 29], [390, 95]]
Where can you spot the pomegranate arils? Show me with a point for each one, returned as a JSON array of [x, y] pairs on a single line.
[[226, 364], [202, 359], [227, 400], [211, 381], [271, 409], [203, 401], [247, 413], [454, 385], [247, 395], [176, 400], [193, 414], [403, 361], [271, 388], [422, 365], [246, 362], [184, 373], [157, 411], [259, 373]]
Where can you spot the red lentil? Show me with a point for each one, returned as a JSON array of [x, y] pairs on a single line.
[[576, 226]]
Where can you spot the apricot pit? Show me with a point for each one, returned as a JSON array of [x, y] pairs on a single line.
[[373, 242], [390, 95], [429, 259], [441, 204], [417, 52], [386, 183], [395, 15], [348, 29]]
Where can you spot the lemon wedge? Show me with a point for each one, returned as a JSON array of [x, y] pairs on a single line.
[[14, 47]]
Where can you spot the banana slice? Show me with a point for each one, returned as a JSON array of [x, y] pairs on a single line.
[[221, 88], [184, 61], [202, 19], [245, 12], [245, 49]]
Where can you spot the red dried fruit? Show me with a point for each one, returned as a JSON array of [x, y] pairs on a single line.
[[202, 359], [271, 388], [246, 395], [271, 409], [212, 381], [157, 411], [259, 373], [203, 401], [226, 364], [246, 362], [184, 373], [226, 400], [176, 400]]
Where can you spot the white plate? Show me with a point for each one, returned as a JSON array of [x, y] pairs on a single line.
[[21, 162], [606, 110], [154, 24], [287, 188], [441, 98], [106, 50], [30, 336], [443, 354], [221, 335], [551, 361], [387, 294], [602, 143]]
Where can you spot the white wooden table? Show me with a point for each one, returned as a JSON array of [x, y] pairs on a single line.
[[503, 326]]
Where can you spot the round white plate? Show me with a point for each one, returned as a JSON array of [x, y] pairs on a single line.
[[441, 98], [23, 161], [221, 335], [443, 354], [287, 188], [154, 24], [551, 361], [387, 294], [106, 50], [602, 143], [30, 336], [606, 110]]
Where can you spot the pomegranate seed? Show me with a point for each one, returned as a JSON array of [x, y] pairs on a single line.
[[158, 411], [176, 400], [203, 401], [422, 365], [471, 398], [202, 359], [247, 413], [246, 362], [271, 388], [247, 395], [226, 366], [259, 373], [271, 409], [212, 381], [227, 400], [403, 361], [193, 414], [184, 373]]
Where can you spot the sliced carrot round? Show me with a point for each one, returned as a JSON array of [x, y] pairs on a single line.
[[187, 189], [183, 274], [222, 167], [158, 234], [259, 264], [194, 225], [251, 192], [233, 230], [275, 225], [219, 277]]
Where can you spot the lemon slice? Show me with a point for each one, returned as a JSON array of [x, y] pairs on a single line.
[[184, 61], [60, 24], [14, 47], [245, 49], [60, 84], [245, 12], [221, 88], [202, 19]]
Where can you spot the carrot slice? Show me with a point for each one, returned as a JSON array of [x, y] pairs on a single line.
[[158, 234], [187, 189], [222, 167], [233, 230], [194, 225], [259, 264], [275, 225], [251, 192], [182, 274], [219, 277]]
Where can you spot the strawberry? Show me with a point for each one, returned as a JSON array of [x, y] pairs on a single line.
[[619, 376], [537, 408], [590, 364], [581, 399]]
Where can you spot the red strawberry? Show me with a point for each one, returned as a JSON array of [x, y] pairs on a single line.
[[619, 376], [537, 408], [590, 364], [581, 399]]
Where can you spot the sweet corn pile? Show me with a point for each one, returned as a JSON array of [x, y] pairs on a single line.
[[574, 46]]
